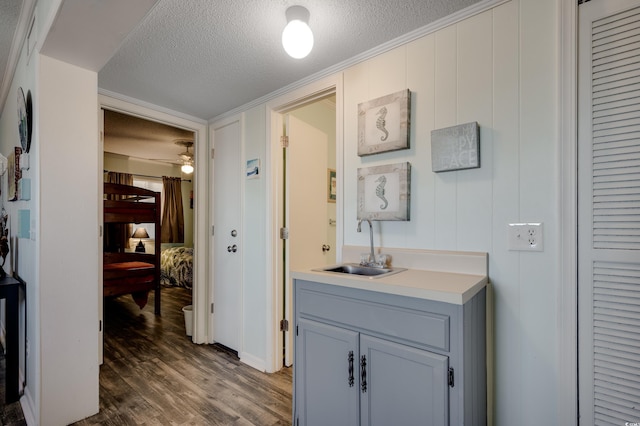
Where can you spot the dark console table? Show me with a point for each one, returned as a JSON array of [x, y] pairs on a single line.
[[10, 291]]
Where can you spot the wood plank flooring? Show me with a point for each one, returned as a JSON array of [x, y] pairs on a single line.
[[154, 375], [10, 414]]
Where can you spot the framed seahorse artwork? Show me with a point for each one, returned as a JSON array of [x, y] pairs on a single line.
[[383, 123], [384, 192]]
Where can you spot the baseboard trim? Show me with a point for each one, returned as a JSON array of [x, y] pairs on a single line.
[[28, 409], [252, 361]]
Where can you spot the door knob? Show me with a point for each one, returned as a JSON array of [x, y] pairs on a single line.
[[326, 248], [234, 248], [229, 249]]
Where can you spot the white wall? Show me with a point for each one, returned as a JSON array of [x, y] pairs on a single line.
[[69, 247], [498, 68], [255, 291], [22, 257]]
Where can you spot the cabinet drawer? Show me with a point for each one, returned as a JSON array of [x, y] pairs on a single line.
[[377, 318]]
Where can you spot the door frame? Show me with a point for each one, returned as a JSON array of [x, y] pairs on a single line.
[[201, 272], [275, 109], [567, 307]]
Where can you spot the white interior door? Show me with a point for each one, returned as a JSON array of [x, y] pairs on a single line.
[[609, 212], [227, 246], [307, 201]]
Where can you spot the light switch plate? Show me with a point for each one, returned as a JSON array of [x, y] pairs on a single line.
[[525, 236]]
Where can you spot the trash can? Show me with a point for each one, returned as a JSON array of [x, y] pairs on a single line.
[[188, 319]]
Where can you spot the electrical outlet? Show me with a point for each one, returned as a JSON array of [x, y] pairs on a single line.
[[525, 236]]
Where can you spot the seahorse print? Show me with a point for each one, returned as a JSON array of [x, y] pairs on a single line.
[[380, 123], [380, 191]]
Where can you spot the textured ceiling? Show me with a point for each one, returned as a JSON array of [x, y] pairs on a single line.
[[203, 58]]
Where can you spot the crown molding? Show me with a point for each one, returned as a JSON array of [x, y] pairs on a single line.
[[458, 16]]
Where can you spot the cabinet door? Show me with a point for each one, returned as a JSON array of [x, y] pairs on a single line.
[[404, 385], [324, 393]]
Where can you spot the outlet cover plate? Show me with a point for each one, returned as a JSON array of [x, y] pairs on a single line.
[[525, 236]]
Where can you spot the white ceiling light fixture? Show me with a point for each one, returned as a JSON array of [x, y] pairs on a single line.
[[187, 169], [186, 157], [297, 38]]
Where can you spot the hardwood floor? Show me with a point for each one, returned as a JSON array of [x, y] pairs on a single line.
[[154, 375], [10, 414]]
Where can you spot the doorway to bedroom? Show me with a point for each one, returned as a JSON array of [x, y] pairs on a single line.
[[158, 157]]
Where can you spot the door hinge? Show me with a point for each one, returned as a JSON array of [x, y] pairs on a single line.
[[100, 325], [211, 307], [284, 233], [213, 153], [284, 141], [450, 377], [297, 330], [100, 231], [284, 325], [213, 230]]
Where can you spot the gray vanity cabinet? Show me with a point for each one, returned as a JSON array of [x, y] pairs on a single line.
[[329, 391], [403, 385], [370, 358]]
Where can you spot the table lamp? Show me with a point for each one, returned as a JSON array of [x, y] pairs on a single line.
[[140, 233]]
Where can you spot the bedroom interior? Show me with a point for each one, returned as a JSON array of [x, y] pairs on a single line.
[[150, 156]]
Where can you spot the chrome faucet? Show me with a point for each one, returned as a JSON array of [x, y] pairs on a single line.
[[372, 255]]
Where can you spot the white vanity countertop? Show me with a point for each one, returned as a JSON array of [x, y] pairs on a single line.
[[448, 287]]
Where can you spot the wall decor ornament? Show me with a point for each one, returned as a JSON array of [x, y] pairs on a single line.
[[455, 148], [25, 118], [383, 123], [4, 241], [14, 173], [253, 169], [384, 192], [331, 186]]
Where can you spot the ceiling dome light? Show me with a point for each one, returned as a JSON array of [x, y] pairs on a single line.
[[297, 38], [187, 168]]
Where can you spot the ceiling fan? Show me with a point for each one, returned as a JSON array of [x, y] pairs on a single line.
[[186, 157]]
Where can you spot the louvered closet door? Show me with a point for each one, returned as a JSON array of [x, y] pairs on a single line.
[[609, 212]]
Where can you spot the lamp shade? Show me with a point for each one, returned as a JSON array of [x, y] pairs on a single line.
[[297, 37], [187, 168], [140, 233]]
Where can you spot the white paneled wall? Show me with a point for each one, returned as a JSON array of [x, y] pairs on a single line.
[[497, 68]]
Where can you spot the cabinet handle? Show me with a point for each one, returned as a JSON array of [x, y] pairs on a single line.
[[351, 379], [363, 374]]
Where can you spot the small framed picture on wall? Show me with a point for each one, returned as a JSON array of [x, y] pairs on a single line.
[[14, 173], [383, 123], [384, 192], [331, 185]]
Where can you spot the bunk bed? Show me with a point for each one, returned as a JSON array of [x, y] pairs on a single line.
[[126, 271]]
